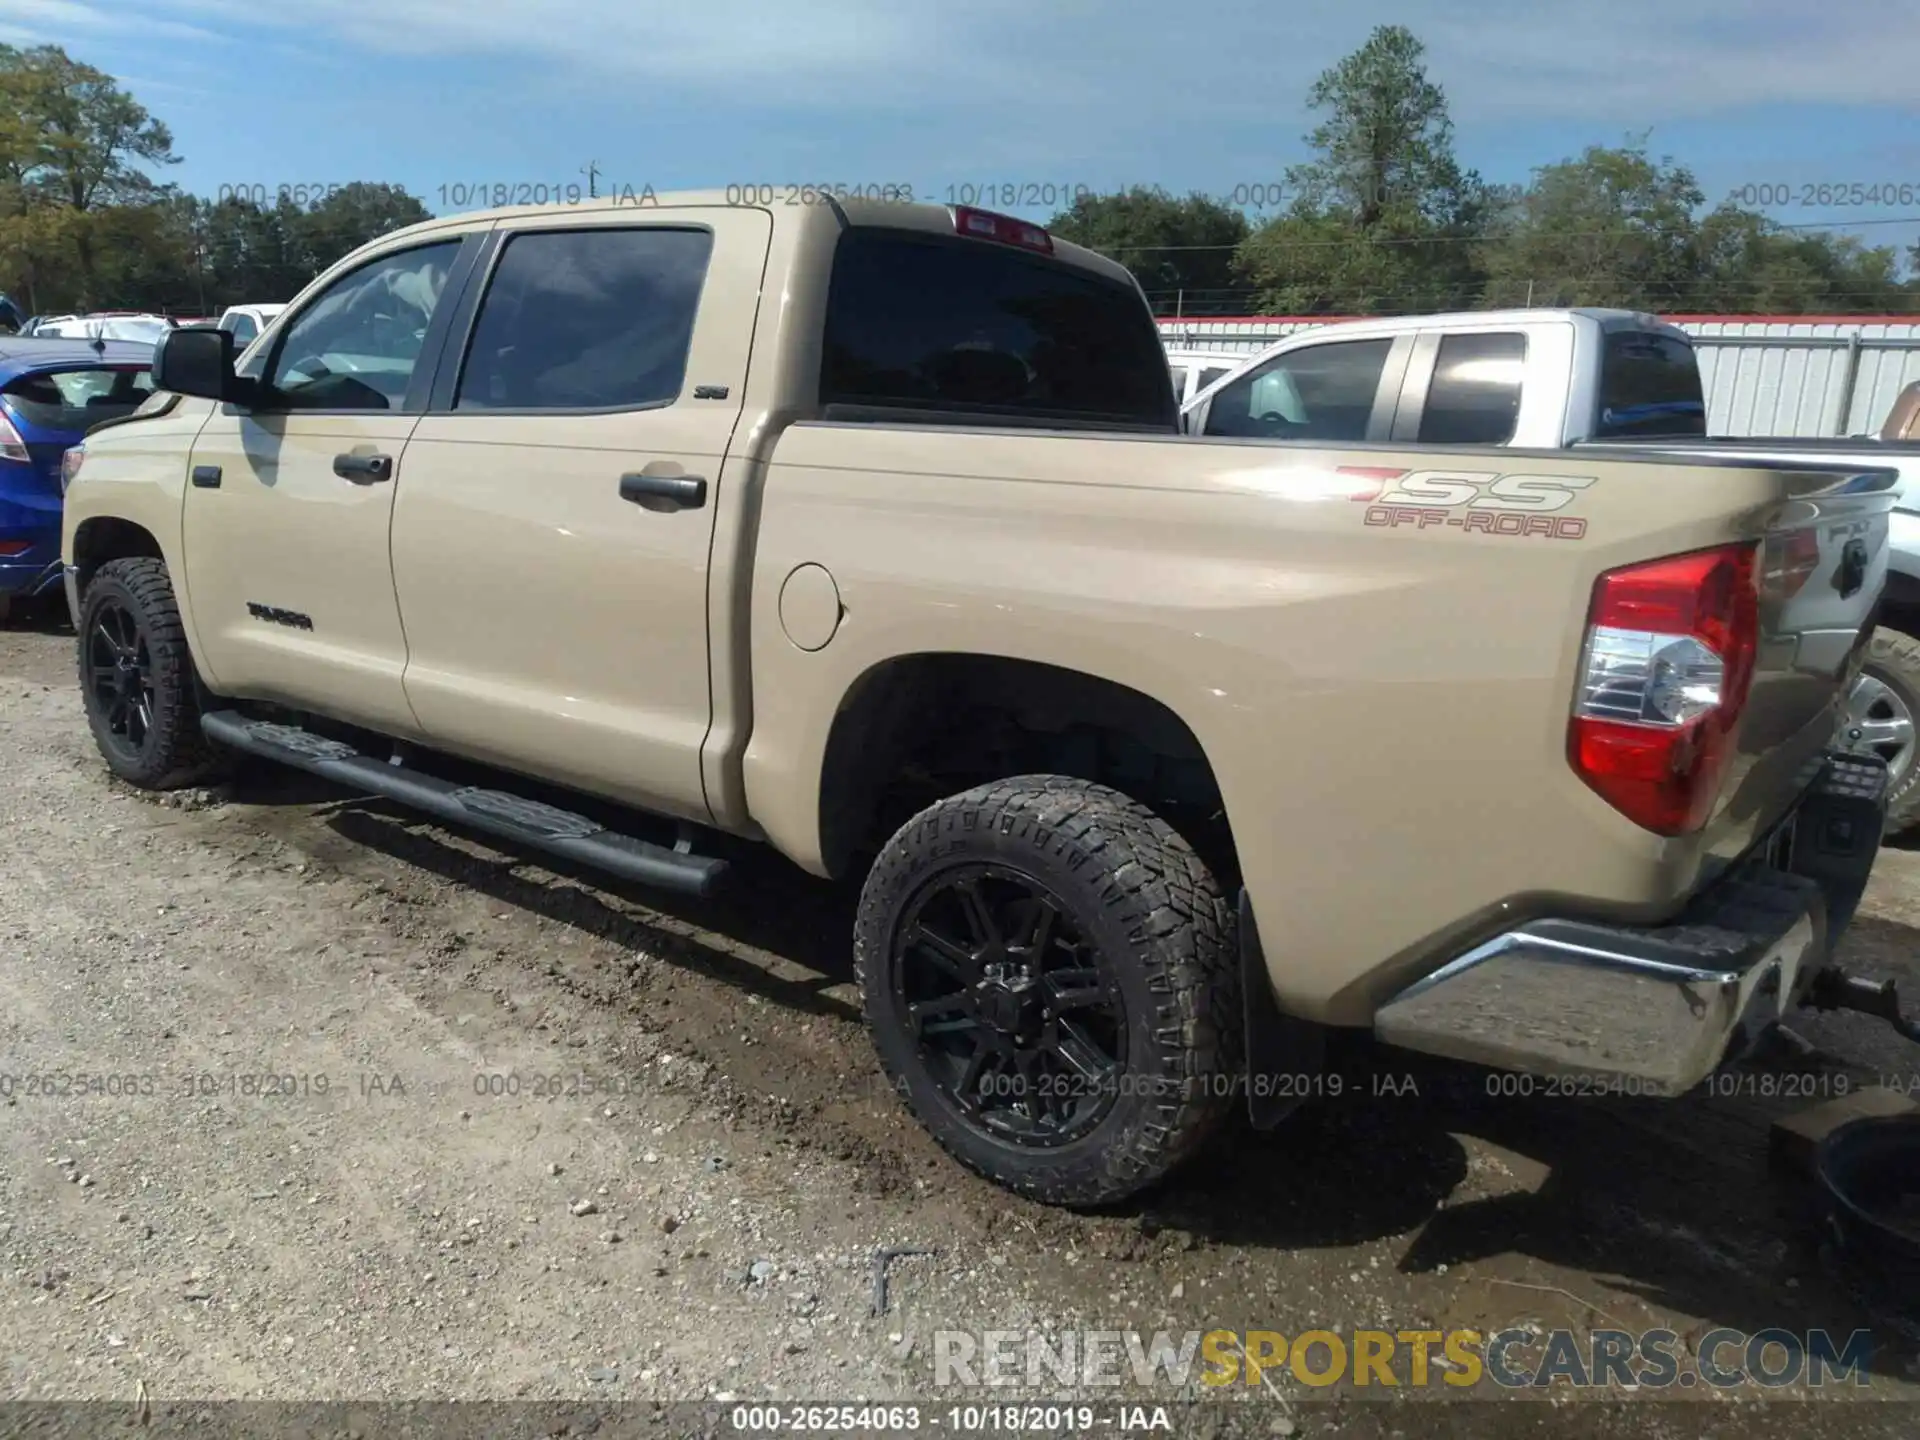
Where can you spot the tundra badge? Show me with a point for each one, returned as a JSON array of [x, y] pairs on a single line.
[[278, 616]]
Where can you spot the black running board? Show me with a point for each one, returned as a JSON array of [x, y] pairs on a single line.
[[560, 832]]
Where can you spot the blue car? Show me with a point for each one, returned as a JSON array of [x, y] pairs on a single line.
[[51, 393]]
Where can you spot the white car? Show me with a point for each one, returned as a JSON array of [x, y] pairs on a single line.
[[108, 325], [244, 322], [1194, 370]]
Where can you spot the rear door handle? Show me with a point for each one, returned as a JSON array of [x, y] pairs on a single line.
[[363, 469], [664, 494], [206, 477]]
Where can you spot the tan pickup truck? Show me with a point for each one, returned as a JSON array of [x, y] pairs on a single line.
[[866, 530]]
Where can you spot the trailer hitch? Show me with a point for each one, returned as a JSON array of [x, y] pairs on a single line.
[[1833, 989]]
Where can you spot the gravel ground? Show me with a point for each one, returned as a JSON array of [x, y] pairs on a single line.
[[309, 1177]]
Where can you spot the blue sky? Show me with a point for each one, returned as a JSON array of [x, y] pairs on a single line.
[[937, 93]]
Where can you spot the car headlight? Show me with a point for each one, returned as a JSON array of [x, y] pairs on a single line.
[[70, 464]]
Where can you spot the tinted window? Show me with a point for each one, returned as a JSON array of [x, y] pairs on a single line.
[[1323, 392], [1474, 396], [587, 320], [73, 400], [1213, 373], [1649, 385], [355, 346], [242, 327], [973, 327]]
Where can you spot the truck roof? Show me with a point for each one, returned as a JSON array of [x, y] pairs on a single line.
[[1607, 319], [854, 210]]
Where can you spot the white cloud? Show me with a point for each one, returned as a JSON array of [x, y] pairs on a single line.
[[1638, 62], [53, 21], [828, 54], [1061, 72]]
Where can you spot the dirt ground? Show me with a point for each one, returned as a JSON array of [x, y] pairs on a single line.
[[695, 1213]]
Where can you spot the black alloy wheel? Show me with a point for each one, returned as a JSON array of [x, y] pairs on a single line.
[[119, 677], [1018, 1019], [137, 678], [1051, 981]]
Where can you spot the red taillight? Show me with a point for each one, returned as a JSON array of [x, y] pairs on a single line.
[[1664, 676], [987, 225]]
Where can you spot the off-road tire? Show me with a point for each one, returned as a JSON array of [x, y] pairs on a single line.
[[177, 752], [1893, 659], [1141, 896]]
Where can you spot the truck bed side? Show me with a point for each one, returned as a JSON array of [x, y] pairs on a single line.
[[1367, 685]]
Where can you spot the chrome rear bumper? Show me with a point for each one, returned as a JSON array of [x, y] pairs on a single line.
[[1658, 1009]]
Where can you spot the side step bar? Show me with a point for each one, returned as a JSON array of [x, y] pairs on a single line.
[[513, 817]]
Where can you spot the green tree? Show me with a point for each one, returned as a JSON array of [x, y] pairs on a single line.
[[74, 140], [1613, 227], [1750, 264], [1384, 217], [1180, 248], [1619, 227], [1386, 143], [342, 221]]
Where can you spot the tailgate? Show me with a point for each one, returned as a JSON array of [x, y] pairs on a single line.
[[1822, 565]]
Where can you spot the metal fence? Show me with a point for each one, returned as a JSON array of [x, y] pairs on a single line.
[[1764, 375]]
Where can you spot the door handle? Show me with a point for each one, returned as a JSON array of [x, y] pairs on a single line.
[[664, 494], [206, 477], [363, 469]]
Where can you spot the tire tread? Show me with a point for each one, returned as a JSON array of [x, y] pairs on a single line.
[[183, 756], [1181, 930]]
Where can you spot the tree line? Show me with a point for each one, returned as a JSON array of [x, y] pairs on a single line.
[[86, 223], [1384, 219]]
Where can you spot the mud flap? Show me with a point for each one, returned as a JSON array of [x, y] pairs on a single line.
[[1281, 1050]]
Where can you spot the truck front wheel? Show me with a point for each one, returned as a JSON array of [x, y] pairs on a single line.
[[1049, 972], [137, 678]]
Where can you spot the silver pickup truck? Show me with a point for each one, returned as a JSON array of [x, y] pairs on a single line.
[[1555, 379]]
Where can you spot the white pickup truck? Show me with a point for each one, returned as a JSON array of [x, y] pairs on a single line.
[[1552, 379]]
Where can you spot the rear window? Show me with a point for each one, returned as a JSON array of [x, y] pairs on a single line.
[[969, 327], [1649, 385], [1207, 377], [75, 400]]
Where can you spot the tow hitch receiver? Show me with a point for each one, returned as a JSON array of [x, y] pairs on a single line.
[[1834, 989]]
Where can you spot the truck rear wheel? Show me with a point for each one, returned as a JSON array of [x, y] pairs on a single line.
[[1049, 974], [1880, 720], [137, 678]]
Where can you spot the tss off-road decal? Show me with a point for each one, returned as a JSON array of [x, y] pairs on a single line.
[[1483, 501]]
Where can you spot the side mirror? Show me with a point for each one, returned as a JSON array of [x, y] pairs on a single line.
[[197, 360]]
